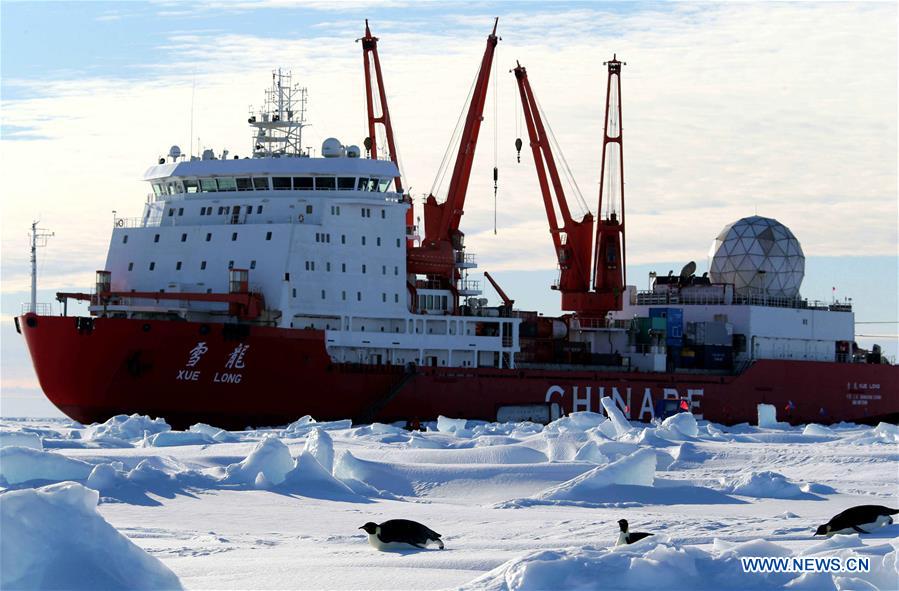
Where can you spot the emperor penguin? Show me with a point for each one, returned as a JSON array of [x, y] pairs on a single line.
[[862, 519], [400, 534], [626, 537]]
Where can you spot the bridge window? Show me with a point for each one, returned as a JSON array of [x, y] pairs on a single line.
[[325, 183], [202, 265], [171, 211], [208, 186], [190, 186], [233, 236], [180, 211], [260, 183], [302, 183], [243, 184], [346, 182], [385, 185], [268, 235], [258, 209], [178, 266], [156, 238], [281, 183], [227, 184]]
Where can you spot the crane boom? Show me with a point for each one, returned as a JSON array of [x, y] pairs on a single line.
[[572, 241], [370, 57], [608, 261], [443, 240]]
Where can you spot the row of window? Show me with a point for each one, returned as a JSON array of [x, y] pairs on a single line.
[[319, 237], [268, 236], [178, 265], [310, 266], [223, 210], [277, 183], [324, 296]]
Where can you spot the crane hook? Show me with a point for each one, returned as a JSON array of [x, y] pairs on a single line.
[[518, 148]]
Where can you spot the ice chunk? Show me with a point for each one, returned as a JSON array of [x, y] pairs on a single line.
[[887, 432], [763, 484], [54, 538], [767, 415], [320, 445], [14, 438], [683, 423], [270, 457], [818, 431], [176, 438], [577, 421], [637, 468], [218, 435], [23, 464], [452, 426], [126, 427], [622, 427], [590, 452], [103, 477], [309, 478]]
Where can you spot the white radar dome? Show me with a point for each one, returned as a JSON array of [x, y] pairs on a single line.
[[759, 256], [332, 148], [353, 151]]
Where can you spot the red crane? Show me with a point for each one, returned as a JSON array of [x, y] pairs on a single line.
[[369, 59], [436, 257], [573, 240]]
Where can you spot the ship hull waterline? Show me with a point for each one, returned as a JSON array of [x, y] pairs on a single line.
[[236, 376]]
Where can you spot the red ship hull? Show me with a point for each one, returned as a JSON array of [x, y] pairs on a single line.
[[238, 376]]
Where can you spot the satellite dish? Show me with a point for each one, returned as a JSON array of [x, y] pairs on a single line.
[[689, 269]]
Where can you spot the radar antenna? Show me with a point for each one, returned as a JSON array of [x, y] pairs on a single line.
[[280, 121]]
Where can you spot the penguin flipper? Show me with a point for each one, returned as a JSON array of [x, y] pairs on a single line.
[[859, 530]]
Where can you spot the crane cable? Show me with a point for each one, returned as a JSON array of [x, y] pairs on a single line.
[[557, 149], [454, 139], [495, 136]]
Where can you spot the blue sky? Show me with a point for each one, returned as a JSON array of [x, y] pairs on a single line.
[[783, 109]]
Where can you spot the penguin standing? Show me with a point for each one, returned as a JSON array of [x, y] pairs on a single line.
[[400, 534], [862, 519], [626, 537]]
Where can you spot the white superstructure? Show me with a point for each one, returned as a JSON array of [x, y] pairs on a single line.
[[324, 241]]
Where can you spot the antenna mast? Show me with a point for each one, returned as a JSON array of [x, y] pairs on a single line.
[[279, 123], [39, 238]]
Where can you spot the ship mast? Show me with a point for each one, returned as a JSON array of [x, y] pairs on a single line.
[[39, 239], [280, 121]]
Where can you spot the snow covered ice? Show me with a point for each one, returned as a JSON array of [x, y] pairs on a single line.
[[132, 502]]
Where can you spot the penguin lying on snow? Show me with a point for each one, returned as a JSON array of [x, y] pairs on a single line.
[[626, 537], [862, 519], [400, 534]]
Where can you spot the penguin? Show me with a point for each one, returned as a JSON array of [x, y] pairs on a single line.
[[400, 534], [862, 519], [626, 537]]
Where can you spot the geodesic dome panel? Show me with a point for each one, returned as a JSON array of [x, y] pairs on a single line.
[[758, 256]]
